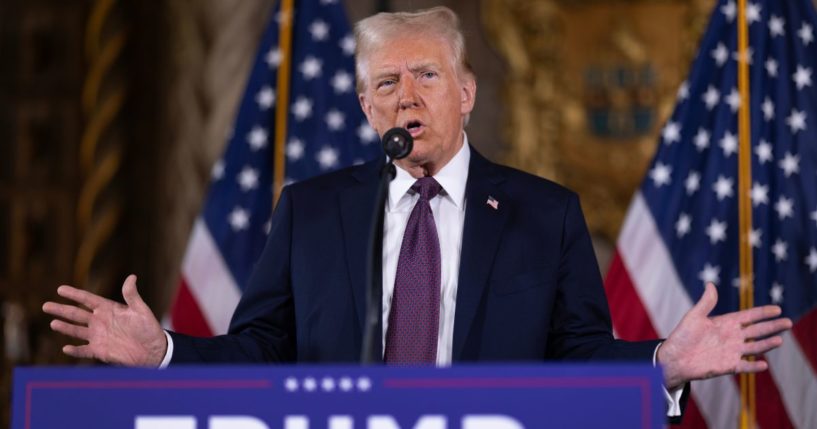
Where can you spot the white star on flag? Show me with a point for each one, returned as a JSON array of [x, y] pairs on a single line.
[[311, 68], [248, 178], [257, 138], [319, 30], [720, 54], [692, 182], [763, 152], [755, 238], [716, 231], [683, 91], [771, 67], [366, 133], [702, 139], [265, 98], [780, 250], [750, 53], [710, 274], [218, 170], [711, 97], [273, 58], [811, 260], [796, 121], [776, 293], [784, 207], [239, 219], [295, 149], [802, 77], [723, 187], [327, 157], [729, 144], [347, 44], [805, 34], [790, 164], [759, 194], [661, 174], [342, 82], [335, 120], [776, 26], [302, 108], [729, 10], [733, 100], [768, 109], [682, 226], [671, 132]]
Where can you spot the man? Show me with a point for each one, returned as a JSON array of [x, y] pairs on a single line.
[[480, 262]]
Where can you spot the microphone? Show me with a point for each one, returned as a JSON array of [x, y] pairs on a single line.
[[397, 143]]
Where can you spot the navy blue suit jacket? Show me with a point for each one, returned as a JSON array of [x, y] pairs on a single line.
[[529, 286]]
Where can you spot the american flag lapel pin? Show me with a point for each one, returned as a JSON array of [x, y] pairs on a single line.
[[492, 202]]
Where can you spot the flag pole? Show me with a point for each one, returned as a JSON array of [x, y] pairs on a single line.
[[747, 381], [285, 20]]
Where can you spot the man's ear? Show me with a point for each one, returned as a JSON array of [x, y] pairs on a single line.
[[366, 106], [468, 95]]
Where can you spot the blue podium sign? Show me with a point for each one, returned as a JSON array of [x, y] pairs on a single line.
[[325, 397]]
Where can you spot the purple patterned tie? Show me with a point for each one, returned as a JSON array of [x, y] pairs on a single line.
[[414, 318]]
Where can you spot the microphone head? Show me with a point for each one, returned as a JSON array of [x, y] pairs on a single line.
[[397, 143]]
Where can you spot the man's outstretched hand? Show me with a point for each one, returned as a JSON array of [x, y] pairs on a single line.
[[120, 334], [704, 347]]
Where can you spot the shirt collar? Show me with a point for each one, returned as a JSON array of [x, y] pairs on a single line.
[[452, 177]]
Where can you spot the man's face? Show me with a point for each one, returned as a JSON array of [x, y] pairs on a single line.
[[412, 82]]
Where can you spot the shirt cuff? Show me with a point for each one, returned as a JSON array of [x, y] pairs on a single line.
[[169, 352], [673, 397]]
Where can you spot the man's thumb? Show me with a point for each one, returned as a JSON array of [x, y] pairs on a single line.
[[130, 293], [706, 304]]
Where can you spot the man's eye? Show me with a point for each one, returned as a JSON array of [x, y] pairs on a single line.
[[385, 83], [429, 74]]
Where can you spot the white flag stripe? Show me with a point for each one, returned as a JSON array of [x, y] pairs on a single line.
[[209, 279], [796, 380], [653, 275]]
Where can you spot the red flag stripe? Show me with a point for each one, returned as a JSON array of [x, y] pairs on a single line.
[[805, 330], [185, 315]]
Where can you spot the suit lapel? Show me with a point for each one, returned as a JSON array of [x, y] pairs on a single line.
[[356, 208], [480, 238]]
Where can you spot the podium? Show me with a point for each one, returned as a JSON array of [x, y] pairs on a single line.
[[336, 397]]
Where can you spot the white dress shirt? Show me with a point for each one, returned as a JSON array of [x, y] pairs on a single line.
[[448, 208]]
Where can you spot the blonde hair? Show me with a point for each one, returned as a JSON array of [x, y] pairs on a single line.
[[374, 31]]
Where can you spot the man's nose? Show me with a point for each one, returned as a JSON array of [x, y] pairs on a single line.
[[408, 94]]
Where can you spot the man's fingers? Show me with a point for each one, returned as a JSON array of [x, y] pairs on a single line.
[[769, 327], [762, 346], [751, 366], [756, 314], [68, 312], [706, 304], [65, 328], [130, 293], [82, 352], [83, 297]]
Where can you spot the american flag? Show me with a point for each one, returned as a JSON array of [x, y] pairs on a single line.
[[325, 130], [682, 227]]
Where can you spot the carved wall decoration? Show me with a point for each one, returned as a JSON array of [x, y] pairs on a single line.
[[590, 84]]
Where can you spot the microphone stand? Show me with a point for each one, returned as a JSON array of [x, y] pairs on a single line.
[[374, 268], [397, 143]]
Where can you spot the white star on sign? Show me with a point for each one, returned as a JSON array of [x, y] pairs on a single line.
[[660, 174], [310, 384], [759, 194], [302, 108], [710, 274], [295, 149], [723, 187], [796, 121], [780, 250], [239, 219], [345, 384], [265, 98], [716, 231], [790, 164], [248, 178], [319, 30], [771, 67], [671, 132], [752, 13], [291, 384], [805, 34], [366, 133], [335, 120], [342, 82], [311, 68], [763, 152], [802, 77], [776, 26], [692, 182], [768, 109], [729, 10], [218, 170], [702, 139], [720, 54], [755, 238], [327, 157], [811, 260], [733, 100], [729, 144], [328, 384], [257, 137], [273, 58], [784, 207], [776, 293], [711, 97], [347, 44], [682, 226]]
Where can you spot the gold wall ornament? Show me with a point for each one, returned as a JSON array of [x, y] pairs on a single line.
[[590, 84]]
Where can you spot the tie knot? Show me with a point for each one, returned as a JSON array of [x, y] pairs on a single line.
[[427, 187]]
